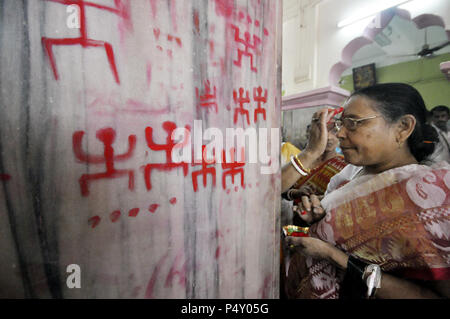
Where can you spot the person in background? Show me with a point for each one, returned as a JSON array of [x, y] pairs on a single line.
[[440, 116], [382, 229]]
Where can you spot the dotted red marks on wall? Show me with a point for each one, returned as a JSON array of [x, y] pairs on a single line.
[[83, 40], [243, 97], [107, 136], [166, 42], [94, 221], [133, 212], [115, 215], [208, 97]]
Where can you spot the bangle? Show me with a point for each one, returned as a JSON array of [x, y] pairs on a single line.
[[297, 160], [353, 286], [288, 194], [296, 163], [361, 280]]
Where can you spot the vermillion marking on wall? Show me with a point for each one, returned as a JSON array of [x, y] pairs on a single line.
[[84, 40], [107, 136]]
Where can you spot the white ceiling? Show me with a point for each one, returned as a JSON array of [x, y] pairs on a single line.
[[400, 37]]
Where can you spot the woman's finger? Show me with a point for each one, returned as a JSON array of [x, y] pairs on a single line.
[[315, 201], [306, 203]]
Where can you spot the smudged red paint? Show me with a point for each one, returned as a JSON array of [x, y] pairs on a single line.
[[173, 200], [114, 216], [149, 74], [152, 209], [5, 177], [264, 290], [156, 32], [224, 8], [217, 253], [94, 221], [196, 21], [181, 273], [133, 212], [173, 14], [152, 281], [154, 8], [211, 47]]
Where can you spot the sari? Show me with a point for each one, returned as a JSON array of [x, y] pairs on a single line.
[[321, 175], [398, 219]]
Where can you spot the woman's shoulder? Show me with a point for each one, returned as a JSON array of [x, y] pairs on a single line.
[[343, 177]]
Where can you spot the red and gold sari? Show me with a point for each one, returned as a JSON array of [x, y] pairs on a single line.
[[321, 175], [398, 219]]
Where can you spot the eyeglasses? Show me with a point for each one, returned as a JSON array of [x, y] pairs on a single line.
[[350, 123]]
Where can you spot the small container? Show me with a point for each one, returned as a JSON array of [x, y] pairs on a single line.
[[295, 231]]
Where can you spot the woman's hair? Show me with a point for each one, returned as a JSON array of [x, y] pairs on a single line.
[[394, 100]]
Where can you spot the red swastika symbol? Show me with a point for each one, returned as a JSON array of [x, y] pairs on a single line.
[[233, 168], [169, 127], [241, 100], [107, 137], [204, 171], [208, 99], [259, 98], [83, 40], [248, 46]]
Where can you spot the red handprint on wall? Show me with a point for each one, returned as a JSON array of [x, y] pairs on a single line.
[[169, 127], [120, 9], [107, 136]]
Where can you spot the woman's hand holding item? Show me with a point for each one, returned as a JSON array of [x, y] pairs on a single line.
[[309, 209]]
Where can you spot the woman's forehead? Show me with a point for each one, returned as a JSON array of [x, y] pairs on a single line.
[[359, 107]]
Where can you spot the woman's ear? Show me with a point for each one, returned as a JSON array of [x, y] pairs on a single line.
[[405, 127]]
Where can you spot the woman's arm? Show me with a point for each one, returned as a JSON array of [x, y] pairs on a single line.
[[316, 146], [391, 287]]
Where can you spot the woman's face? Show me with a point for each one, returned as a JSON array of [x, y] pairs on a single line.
[[373, 141]]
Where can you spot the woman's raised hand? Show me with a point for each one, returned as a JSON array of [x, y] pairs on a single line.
[[318, 134]]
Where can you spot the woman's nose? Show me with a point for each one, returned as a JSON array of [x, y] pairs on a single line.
[[340, 132]]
